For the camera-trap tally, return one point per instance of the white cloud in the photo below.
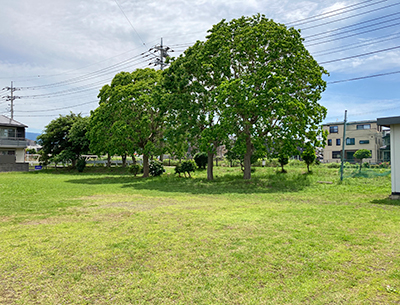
(48, 37)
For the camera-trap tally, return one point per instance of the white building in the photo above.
(394, 124)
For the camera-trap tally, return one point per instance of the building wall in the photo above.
(15, 167)
(20, 155)
(356, 138)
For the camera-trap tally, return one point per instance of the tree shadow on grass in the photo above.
(228, 183)
(91, 171)
(386, 201)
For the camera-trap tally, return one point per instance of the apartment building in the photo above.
(359, 135)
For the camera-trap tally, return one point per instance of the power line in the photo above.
(90, 75)
(355, 34)
(315, 18)
(359, 55)
(62, 108)
(362, 77)
(328, 33)
(74, 90)
(356, 45)
(130, 22)
(348, 17)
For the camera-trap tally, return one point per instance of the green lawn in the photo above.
(111, 238)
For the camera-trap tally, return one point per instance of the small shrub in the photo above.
(135, 169)
(80, 165)
(384, 165)
(333, 165)
(295, 163)
(170, 162)
(187, 167)
(201, 159)
(178, 169)
(257, 163)
(366, 165)
(156, 168)
(273, 163)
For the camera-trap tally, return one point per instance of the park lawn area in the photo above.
(105, 237)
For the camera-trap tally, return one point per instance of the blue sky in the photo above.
(60, 53)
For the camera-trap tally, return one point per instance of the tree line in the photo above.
(251, 86)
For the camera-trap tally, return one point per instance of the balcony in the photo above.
(12, 142)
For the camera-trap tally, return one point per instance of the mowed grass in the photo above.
(110, 238)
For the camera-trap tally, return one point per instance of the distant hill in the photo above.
(32, 135)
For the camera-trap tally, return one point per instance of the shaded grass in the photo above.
(101, 238)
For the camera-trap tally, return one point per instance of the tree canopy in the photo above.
(252, 79)
(132, 111)
(64, 139)
(273, 86)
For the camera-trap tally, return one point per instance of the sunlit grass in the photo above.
(110, 238)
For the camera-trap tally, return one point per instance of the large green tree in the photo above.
(273, 85)
(64, 139)
(135, 101)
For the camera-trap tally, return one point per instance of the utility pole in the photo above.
(11, 97)
(343, 144)
(159, 61)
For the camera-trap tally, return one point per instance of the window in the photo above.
(333, 129)
(329, 142)
(350, 141)
(7, 152)
(335, 154)
(7, 133)
(365, 126)
(337, 142)
(364, 141)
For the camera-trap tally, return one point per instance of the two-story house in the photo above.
(12, 145)
(359, 135)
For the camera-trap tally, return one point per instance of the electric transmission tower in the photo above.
(163, 53)
(10, 98)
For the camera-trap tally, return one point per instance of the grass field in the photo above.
(110, 238)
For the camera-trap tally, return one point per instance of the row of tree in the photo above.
(251, 86)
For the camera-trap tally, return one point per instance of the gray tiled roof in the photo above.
(5, 121)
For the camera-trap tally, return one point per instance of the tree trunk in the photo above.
(133, 159)
(247, 159)
(210, 165)
(145, 166)
(123, 160)
(108, 160)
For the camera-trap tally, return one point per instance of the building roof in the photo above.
(389, 121)
(6, 121)
(350, 123)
